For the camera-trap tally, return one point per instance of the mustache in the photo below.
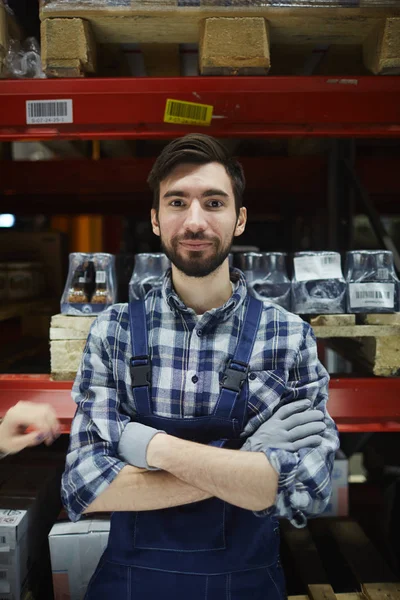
(189, 237)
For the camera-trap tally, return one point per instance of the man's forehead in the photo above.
(204, 176)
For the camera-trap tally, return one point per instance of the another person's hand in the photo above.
(292, 427)
(39, 417)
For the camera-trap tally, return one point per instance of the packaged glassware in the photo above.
(148, 274)
(372, 283)
(90, 286)
(318, 285)
(266, 276)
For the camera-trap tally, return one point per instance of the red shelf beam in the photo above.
(243, 107)
(357, 405)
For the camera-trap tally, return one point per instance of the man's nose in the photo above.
(195, 218)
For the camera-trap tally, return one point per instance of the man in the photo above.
(172, 388)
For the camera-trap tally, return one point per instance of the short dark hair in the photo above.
(200, 149)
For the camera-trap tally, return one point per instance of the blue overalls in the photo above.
(208, 550)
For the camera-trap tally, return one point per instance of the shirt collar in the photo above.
(222, 312)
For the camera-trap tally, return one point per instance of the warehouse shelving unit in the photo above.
(242, 107)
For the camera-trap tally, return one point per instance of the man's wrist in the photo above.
(158, 449)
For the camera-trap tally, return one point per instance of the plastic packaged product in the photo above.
(90, 285)
(23, 60)
(266, 276)
(148, 274)
(318, 285)
(372, 283)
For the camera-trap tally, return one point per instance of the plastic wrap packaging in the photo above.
(49, 5)
(318, 285)
(266, 276)
(148, 274)
(373, 286)
(23, 61)
(90, 286)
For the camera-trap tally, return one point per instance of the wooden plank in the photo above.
(66, 355)
(381, 591)
(68, 47)
(234, 46)
(321, 592)
(356, 331)
(170, 24)
(382, 48)
(333, 320)
(304, 554)
(361, 555)
(381, 319)
(69, 327)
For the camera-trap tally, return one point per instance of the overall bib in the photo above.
(208, 550)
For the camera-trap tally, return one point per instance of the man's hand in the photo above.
(292, 427)
(40, 417)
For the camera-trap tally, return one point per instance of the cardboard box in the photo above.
(75, 550)
(29, 504)
(339, 503)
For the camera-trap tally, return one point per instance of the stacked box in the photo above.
(75, 550)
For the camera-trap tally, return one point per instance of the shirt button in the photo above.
(252, 376)
(195, 379)
(199, 332)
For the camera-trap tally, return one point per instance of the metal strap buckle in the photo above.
(233, 379)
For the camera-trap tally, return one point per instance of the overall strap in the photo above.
(139, 363)
(236, 371)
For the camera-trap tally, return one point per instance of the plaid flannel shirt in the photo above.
(284, 367)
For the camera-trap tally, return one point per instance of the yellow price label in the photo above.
(188, 113)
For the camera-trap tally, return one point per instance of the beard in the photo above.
(196, 265)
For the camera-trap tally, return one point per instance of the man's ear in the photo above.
(241, 222)
(154, 222)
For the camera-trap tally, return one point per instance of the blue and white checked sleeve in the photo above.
(92, 461)
(304, 485)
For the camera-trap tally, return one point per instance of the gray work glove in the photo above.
(292, 427)
(133, 443)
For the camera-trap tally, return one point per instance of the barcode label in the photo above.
(187, 113)
(100, 276)
(371, 295)
(311, 268)
(383, 273)
(48, 111)
(3, 575)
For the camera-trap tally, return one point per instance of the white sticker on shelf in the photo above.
(310, 268)
(371, 295)
(44, 112)
(100, 276)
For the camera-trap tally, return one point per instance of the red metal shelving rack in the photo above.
(243, 107)
(356, 404)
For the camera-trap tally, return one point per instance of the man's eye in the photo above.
(176, 203)
(215, 203)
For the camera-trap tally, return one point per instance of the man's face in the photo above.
(197, 218)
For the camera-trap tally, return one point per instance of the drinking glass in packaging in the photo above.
(148, 274)
(266, 276)
(372, 283)
(318, 285)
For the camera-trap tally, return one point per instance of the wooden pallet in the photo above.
(373, 346)
(242, 40)
(68, 336)
(333, 558)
